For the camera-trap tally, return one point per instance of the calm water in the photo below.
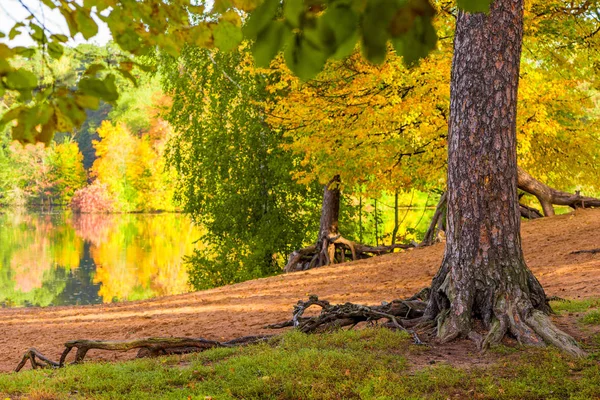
(62, 259)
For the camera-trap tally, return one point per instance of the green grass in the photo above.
(364, 364)
(591, 318)
(574, 306)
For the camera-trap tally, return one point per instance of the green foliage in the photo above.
(592, 318)
(66, 171)
(364, 364)
(233, 176)
(310, 32)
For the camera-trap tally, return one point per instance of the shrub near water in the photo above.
(92, 199)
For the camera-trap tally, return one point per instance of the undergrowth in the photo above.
(363, 364)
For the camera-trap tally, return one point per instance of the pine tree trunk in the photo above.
(483, 273)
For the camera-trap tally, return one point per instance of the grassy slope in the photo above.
(360, 364)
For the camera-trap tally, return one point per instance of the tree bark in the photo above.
(483, 273)
(330, 210)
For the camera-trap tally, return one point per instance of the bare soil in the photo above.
(242, 309)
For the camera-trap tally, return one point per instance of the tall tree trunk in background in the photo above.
(483, 273)
(330, 210)
(331, 246)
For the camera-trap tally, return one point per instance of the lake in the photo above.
(58, 258)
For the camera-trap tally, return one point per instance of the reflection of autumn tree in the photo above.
(94, 228)
(142, 256)
(35, 252)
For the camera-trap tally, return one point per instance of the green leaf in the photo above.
(49, 4)
(293, 11)
(303, 58)
(87, 101)
(38, 33)
(475, 6)
(55, 50)
(227, 36)
(94, 69)
(416, 43)
(268, 43)
(338, 27)
(376, 21)
(20, 79)
(60, 38)
(103, 89)
(26, 52)
(87, 25)
(14, 32)
(70, 19)
(261, 18)
(129, 40)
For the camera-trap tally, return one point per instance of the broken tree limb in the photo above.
(548, 196)
(37, 359)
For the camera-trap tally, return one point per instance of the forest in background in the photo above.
(245, 151)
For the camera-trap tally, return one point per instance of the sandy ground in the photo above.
(242, 309)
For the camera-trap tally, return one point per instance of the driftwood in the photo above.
(149, 347)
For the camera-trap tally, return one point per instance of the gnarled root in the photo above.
(334, 249)
(349, 314)
(149, 347)
(526, 324)
(37, 359)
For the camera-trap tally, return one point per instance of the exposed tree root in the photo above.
(548, 196)
(37, 360)
(349, 314)
(531, 327)
(333, 249)
(149, 347)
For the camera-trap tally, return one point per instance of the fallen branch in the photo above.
(592, 251)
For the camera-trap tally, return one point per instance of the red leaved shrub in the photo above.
(94, 198)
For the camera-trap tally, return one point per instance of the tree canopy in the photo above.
(308, 32)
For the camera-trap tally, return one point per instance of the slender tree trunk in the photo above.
(483, 273)
(396, 219)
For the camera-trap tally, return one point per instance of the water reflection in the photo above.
(61, 259)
